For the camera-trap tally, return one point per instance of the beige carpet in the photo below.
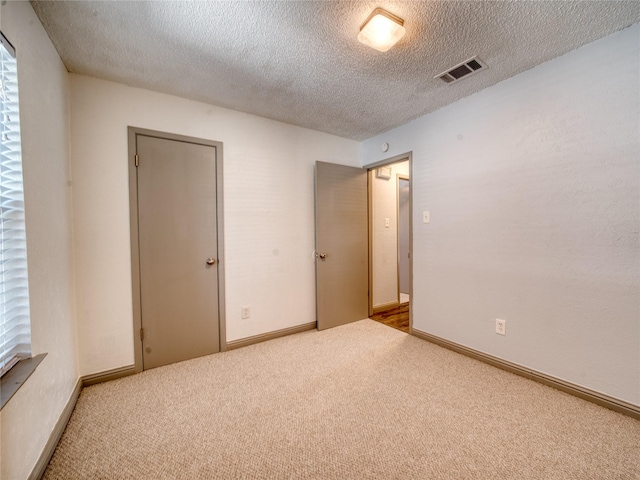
(361, 401)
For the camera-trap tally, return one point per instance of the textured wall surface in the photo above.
(29, 417)
(268, 205)
(534, 191)
(385, 240)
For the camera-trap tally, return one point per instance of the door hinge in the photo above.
(141, 334)
(137, 160)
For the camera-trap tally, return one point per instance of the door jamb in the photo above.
(132, 133)
(407, 178)
(370, 168)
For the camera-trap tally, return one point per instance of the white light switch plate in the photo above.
(386, 222)
(425, 216)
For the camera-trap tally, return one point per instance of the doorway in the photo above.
(344, 242)
(176, 244)
(390, 242)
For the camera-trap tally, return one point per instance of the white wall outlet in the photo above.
(246, 311)
(501, 327)
(425, 216)
(386, 222)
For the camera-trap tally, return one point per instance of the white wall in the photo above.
(268, 205)
(534, 190)
(29, 417)
(385, 239)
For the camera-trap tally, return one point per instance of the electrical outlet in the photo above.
(246, 311)
(501, 327)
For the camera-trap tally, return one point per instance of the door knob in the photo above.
(322, 256)
(211, 261)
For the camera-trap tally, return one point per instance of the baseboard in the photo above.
(385, 306)
(56, 434)
(598, 398)
(243, 342)
(108, 375)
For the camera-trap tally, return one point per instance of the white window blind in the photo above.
(15, 328)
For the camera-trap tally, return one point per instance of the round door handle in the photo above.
(211, 261)
(322, 256)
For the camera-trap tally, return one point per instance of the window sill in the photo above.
(15, 378)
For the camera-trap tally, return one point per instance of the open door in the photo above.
(342, 263)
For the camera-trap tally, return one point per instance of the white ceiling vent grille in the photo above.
(462, 70)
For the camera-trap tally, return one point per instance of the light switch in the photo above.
(386, 222)
(425, 216)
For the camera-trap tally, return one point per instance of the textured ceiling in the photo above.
(300, 62)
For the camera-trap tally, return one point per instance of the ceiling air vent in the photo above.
(462, 70)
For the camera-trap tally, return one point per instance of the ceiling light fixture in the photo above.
(381, 30)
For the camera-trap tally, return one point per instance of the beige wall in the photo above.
(28, 419)
(268, 205)
(533, 186)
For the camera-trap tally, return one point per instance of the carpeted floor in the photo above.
(363, 401)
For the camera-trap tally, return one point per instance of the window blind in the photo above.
(15, 328)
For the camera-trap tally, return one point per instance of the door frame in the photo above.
(132, 132)
(408, 156)
(400, 176)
